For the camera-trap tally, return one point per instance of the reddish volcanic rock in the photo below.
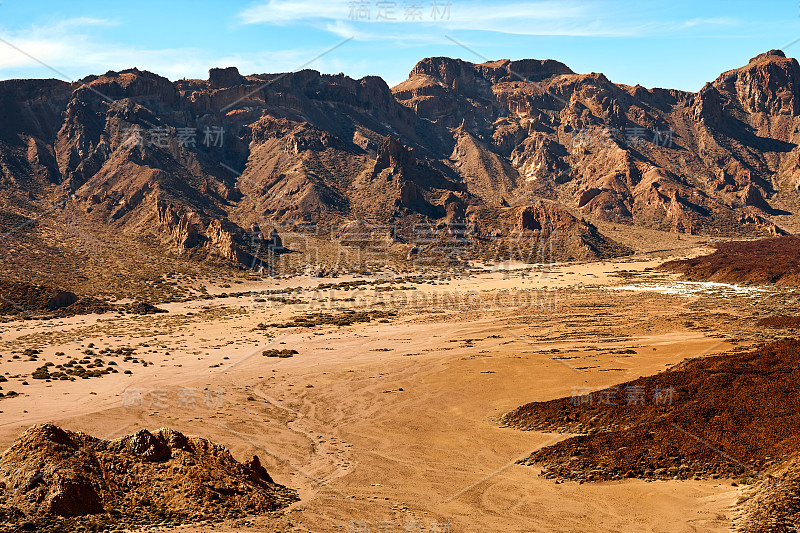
(673, 424)
(763, 261)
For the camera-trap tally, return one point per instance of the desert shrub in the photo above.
(279, 353)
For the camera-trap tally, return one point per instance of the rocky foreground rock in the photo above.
(57, 480)
(771, 504)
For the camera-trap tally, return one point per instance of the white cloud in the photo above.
(290, 11)
(597, 18)
(66, 50)
(514, 17)
(721, 21)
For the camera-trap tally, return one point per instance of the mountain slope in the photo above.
(131, 165)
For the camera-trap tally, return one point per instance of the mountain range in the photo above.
(128, 170)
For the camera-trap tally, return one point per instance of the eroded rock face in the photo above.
(145, 158)
(394, 156)
(584, 135)
(181, 227)
(555, 233)
(544, 218)
(225, 238)
(53, 475)
(767, 84)
(758, 218)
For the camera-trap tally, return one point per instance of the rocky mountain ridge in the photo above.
(189, 168)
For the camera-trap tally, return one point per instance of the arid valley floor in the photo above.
(394, 422)
(459, 286)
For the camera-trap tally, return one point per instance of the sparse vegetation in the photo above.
(346, 318)
(283, 354)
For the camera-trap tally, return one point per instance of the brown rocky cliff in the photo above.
(769, 83)
(224, 77)
(568, 132)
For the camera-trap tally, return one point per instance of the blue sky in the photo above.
(676, 44)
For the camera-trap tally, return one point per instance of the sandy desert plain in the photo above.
(392, 422)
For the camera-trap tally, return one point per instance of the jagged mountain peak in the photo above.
(768, 83)
(447, 70)
(768, 55)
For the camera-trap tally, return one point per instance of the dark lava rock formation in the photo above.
(721, 416)
(751, 262)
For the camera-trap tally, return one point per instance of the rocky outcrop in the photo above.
(769, 84)
(27, 299)
(219, 78)
(760, 219)
(393, 156)
(181, 227)
(543, 218)
(567, 236)
(225, 238)
(397, 176)
(707, 108)
(58, 477)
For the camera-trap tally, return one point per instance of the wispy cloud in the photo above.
(596, 18)
(529, 18)
(291, 11)
(720, 21)
(70, 48)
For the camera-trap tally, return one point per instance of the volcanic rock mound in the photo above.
(722, 416)
(763, 261)
(57, 480)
